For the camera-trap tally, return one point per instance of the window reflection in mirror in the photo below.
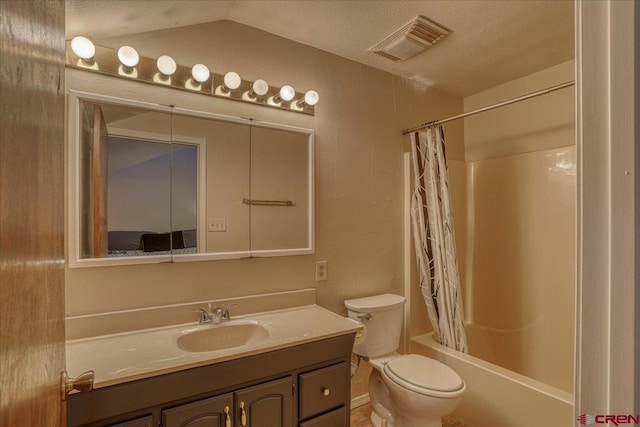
(139, 172)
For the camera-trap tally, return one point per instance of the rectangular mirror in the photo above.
(152, 183)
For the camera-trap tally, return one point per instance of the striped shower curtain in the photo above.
(434, 238)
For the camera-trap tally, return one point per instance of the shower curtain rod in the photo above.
(490, 107)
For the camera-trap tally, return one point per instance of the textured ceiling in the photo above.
(492, 42)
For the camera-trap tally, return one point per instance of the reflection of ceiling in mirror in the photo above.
(115, 113)
(123, 154)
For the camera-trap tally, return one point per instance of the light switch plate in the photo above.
(217, 224)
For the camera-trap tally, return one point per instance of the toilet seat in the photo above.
(424, 376)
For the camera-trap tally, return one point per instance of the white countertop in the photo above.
(128, 356)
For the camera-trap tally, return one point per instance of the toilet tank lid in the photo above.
(374, 303)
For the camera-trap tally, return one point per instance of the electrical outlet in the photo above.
(322, 271)
(217, 224)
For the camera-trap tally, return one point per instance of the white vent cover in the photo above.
(411, 39)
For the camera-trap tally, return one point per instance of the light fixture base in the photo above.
(106, 62)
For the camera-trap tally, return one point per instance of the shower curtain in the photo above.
(434, 238)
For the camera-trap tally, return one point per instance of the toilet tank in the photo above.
(381, 316)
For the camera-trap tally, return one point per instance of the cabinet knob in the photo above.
(82, 383)
(325, 391)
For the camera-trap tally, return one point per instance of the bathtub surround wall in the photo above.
(523, 268)
(521, 161)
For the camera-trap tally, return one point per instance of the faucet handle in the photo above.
(225, 311)
(204, 315)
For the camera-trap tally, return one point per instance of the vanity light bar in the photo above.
(164, 71)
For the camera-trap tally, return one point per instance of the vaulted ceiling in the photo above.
(491, 42)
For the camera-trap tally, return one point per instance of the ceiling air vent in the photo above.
(411, 39)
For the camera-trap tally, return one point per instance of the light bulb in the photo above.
(260, 87)
(83, 47)
(311, 97)
(232, 81)
(200, 73)
(128, 56)
(287, 93)
(166, 65)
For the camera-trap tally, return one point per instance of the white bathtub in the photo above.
(498, 397)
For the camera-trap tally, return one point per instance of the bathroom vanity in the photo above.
(294, 372)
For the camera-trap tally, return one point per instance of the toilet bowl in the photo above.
(422, 390)
(405, 390)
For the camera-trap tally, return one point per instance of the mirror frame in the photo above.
(73, 187)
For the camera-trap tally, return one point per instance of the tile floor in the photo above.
(360, 418)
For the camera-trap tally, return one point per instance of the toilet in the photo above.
(405, 390)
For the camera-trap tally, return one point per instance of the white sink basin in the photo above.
(222, 337)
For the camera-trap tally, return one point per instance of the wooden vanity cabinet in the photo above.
(306, 385)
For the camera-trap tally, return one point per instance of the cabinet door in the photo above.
(266, 405)
(213, 412)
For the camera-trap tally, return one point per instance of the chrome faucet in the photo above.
(214, 315)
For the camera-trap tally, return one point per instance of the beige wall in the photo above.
(358, 176)
(521, 164)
